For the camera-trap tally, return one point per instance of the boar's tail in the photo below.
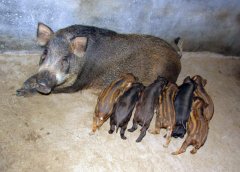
(179, 43)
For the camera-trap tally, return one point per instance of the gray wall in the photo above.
(204, 24)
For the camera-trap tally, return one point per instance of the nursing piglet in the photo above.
(146, 105)
(182, 105)
(197, 127)
(108, 98)
(201, 92)
(166, 116)
(123, 109)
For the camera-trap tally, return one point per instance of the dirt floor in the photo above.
(51, 133)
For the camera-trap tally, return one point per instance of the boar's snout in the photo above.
(46, 81)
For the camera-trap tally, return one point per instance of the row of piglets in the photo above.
(119, 99)
(187, 108)
(172, 105)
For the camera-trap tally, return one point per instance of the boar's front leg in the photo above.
(29, 87)
(69, 89)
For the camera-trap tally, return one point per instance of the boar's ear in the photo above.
(78, 46)
(44, 34)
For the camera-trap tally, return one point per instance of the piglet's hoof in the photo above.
(124, 137)
(138, 140)
(175, 153)
(193, 151)
(131, 130)
(91, 133)
(153, 131)
(110, 131)
(165, 146)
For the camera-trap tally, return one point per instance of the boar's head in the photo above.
(61, 57)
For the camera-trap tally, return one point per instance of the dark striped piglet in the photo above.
(197, 127)
(182, 105)
(108, 97)
(146, 105)
(123, 109)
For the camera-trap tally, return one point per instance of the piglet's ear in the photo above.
(44, 34)
(204, 82)
(78, 46)
(187, 79)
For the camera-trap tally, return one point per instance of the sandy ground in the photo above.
(51, 133)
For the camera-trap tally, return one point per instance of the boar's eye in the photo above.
(65, 64)
(43, 56)
(45, 52)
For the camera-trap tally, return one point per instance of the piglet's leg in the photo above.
(134, 127)
(122, 132)
(168, 136)
(94, 125)
(185, 144)
(112, 126)
(195, 149)
(143, 133)
(156, 130)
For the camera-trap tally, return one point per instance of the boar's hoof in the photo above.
(20, 92)
(24, 92)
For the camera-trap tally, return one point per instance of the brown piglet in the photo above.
(146, 105)
(108, 97)
(201, 92)
(165, 113)
(197, 127)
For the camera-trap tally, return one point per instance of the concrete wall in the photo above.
(212, 25)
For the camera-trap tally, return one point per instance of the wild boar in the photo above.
(79, 57)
